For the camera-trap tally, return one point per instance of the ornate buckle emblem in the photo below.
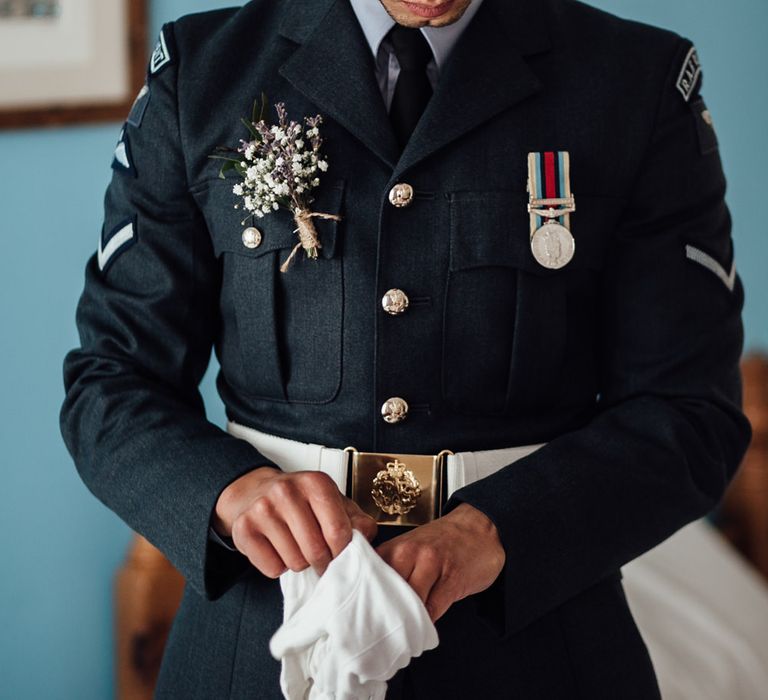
(396, 489)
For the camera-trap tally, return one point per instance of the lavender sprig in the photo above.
(279, 166)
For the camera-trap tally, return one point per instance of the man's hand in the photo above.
(448, 559)
(286, 521)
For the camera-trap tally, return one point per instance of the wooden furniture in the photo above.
(743, 517)
(147, 594)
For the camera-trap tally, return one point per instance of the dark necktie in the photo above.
(413, 89)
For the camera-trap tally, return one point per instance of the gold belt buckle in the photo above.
(397, 489)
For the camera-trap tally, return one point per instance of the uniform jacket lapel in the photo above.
(334, 68)
(485, 74)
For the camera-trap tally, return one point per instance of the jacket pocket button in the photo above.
(251, 237)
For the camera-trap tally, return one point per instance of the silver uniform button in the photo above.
(395, 302)
(401, 195)
(251, 237)
(394, 410)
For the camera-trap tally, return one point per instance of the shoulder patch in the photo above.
(161, 56)
(122, 159)
(705, 127)
(689, 74)
(140, 104)
(115, 242)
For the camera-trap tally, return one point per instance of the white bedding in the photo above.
(703, 612)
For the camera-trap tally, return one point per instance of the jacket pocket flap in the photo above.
(493, 229)
(278, 228)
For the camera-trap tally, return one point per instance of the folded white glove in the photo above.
(345, 634)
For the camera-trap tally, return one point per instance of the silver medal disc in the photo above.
(553, 245)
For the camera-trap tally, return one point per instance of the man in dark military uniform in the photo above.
(532, 248)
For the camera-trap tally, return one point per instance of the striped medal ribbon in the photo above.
(550, 207)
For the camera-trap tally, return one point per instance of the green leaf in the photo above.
(248, 125)
(229, 163)
(230, 159)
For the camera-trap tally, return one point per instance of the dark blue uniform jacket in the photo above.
(625, 361)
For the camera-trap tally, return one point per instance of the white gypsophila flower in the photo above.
(280, 165)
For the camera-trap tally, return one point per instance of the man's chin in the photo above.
(406, 18)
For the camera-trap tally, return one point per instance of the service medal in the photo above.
(553, 245)
(550, 207)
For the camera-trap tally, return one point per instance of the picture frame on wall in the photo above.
(70, 61)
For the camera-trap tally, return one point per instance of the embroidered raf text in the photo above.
(689, 74)
(161, 56)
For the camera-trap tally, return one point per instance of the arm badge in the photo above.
(689, 74)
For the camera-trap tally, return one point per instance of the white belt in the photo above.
(290, 455)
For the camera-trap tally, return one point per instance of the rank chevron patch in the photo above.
(118, 240)
(161, 56)
(728, 278)
(122, 160)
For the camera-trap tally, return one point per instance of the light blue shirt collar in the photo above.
(376, 23)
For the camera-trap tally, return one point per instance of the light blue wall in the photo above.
(58, 546)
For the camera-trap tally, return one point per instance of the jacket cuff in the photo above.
(222, 563)
(222, 541)
(490, 604)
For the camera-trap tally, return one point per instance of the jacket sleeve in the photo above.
(670, 432)
(133, 418)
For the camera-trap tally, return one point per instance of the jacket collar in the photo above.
(375, 22)
(485, 74)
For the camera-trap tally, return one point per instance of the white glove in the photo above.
(348, 632)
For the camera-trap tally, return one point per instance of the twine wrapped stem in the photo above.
(308, 239)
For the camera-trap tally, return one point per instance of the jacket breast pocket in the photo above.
(281, 334)
(506, 317)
